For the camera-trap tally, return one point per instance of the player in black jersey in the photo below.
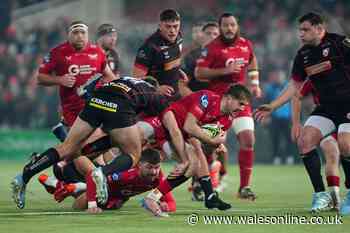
(209, 31)
(107, 37)
(324, 60)
(160, 55)
(114, 108)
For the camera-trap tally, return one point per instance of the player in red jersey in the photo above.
(70, 65)
(227, 60)
(121, 186)
(191, 112)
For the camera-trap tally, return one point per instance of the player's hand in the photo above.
(221, 149)
(233, 67)
(256, 91)
(164, 206)
(94, 210)
(263, 112)
(219, 139)
(166, 90)
(296, 131)
(67, 80)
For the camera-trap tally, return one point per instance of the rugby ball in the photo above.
(212, 130)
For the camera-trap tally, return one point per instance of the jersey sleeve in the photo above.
(49, 62)
(206, 58)
(144, 57)
(199, 105)
(298, 73)
(90, 188)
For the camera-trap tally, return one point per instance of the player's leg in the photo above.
(316, 127)
(344, 146)
(330, 149)
(244, 128)
(79, 132)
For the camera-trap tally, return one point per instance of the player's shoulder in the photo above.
(334, 37)
(95, 48)
(60, 47)
(214, 44)
(244, 41)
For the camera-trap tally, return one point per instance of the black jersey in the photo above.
(190, 61)
(161, 59)
(141, 95)
(327, 66)
(113, 60)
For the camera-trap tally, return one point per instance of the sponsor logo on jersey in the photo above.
(204, 101)
(82, 69)
(104, 105)
(325, 52)
(244, 48)
(92, 56)
(318, 68)
(115, 176)
(238, 60)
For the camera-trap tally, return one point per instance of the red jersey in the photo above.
(218, 55)
(123, 185)
(64, 59)
(204, 105)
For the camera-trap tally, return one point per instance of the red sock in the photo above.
(333, 181)
(245, 161)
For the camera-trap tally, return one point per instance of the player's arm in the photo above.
(91, 195)
(192, 127)
(108, 75)
(47, 70)
(204, 72)
(253, 75)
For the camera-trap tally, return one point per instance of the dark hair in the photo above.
(77, 22)
(225, 15)
(151, 156)
(239, 92)
(169, 15)
(209, 24)
(313, 18)
(105, 28)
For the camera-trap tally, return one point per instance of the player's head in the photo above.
(107, 36)
(229, 28)
(169, 25)
(210, 31)
(311, 28)
(197, 33)
(78, 35)
(149, 164)
(235, 99)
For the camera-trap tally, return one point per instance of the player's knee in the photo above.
(330, 149)
(247, 141)
(305, 144)
(344, 147)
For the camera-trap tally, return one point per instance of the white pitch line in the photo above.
(179, 211)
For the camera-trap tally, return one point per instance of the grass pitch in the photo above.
(282, 190)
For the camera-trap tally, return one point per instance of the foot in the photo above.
(245, 193)
(215, 202)
(42, 179)
(345, 207)
(63, 190)
(153, 207)
(197, 193)
(321, 201)
(18, 191)
(101, 185)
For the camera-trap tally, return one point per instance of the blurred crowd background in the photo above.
(29, 28)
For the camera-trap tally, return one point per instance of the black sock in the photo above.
(99, 145)
(175, 181)
(345, 162)
(312, 164)
(40, 163)
(121, 163)
(206, 185)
